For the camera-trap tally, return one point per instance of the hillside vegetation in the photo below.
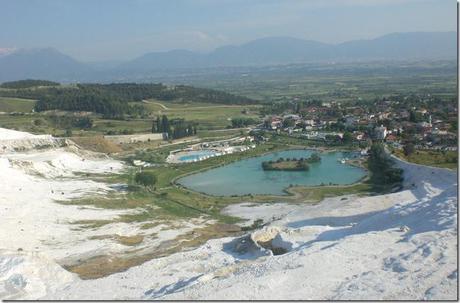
(28, 83)
(115, 100)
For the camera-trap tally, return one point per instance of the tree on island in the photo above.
(303, 165)
(314, 158)
(286, 165)
(267, 165)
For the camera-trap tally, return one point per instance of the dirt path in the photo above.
(228, 129)
(157, 103)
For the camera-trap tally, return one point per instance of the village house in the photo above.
(360, 136)
(391, 138)
(351, 121)
(292, 116)
(380, 132)
(273, 122)
(309, 122)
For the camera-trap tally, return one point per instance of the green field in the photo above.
(16, 105)
(208, 116)
(334, 82)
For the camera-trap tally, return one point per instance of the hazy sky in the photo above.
(122, 29)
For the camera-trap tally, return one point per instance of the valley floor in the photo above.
(395, 246)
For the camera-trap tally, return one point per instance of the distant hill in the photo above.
(420, 45)
(46, 63)
(52, 65)
(166, 60)
(273, 50)
(286, 50)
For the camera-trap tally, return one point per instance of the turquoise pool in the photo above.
(247, 176)
(196, 155)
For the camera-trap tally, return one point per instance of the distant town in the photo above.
(396, 122)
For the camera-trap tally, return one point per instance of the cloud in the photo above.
(199, 35)
(204, 36)
(7, 50)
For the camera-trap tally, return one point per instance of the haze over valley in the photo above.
(51, 64)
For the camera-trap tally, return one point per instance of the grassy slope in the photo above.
(446, 159)
(16, 105)
(97, 144)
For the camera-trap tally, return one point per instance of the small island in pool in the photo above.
(293, 164)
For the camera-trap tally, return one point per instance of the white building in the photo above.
(380, 132)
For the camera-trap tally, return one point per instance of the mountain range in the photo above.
(50, 64)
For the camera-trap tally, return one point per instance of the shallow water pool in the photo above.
(247, 176)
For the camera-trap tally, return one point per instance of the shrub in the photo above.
(409, 148)
(145, 178)
(39, 122)
(314, 158)
(303, 165)
(383, 172)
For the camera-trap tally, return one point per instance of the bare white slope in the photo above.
(12, 140)
(31, 220)
(9, 134)
(36, 233)
(396, 246)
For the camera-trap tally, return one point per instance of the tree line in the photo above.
(70, 122)
(133, 92)
(87, 99)
(239, 122)
(27, 84)
(175, 128)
